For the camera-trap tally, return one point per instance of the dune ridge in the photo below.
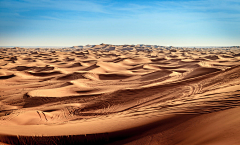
(120, 94)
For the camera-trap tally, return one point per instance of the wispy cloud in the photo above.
(111, 8)
(227, 6)
(132, 7)
(163, 19)
(72, 5)
(191, 10)
(50, 18)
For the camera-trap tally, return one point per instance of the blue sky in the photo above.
(77, 22)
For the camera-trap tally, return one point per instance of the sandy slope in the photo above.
(120, 95)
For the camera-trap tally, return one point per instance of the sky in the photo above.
(154, 22)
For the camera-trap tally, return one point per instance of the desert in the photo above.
(120, 94)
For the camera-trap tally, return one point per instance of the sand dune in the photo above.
(124, 94)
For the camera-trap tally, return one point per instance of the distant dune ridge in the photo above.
(120, 94)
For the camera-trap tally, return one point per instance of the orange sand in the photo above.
(120, 95)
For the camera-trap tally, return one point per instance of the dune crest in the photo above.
(120, 94)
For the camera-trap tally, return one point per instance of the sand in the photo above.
(124, 94)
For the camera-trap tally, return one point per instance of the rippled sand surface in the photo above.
(120, 95)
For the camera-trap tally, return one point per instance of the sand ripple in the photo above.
(108, 93)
